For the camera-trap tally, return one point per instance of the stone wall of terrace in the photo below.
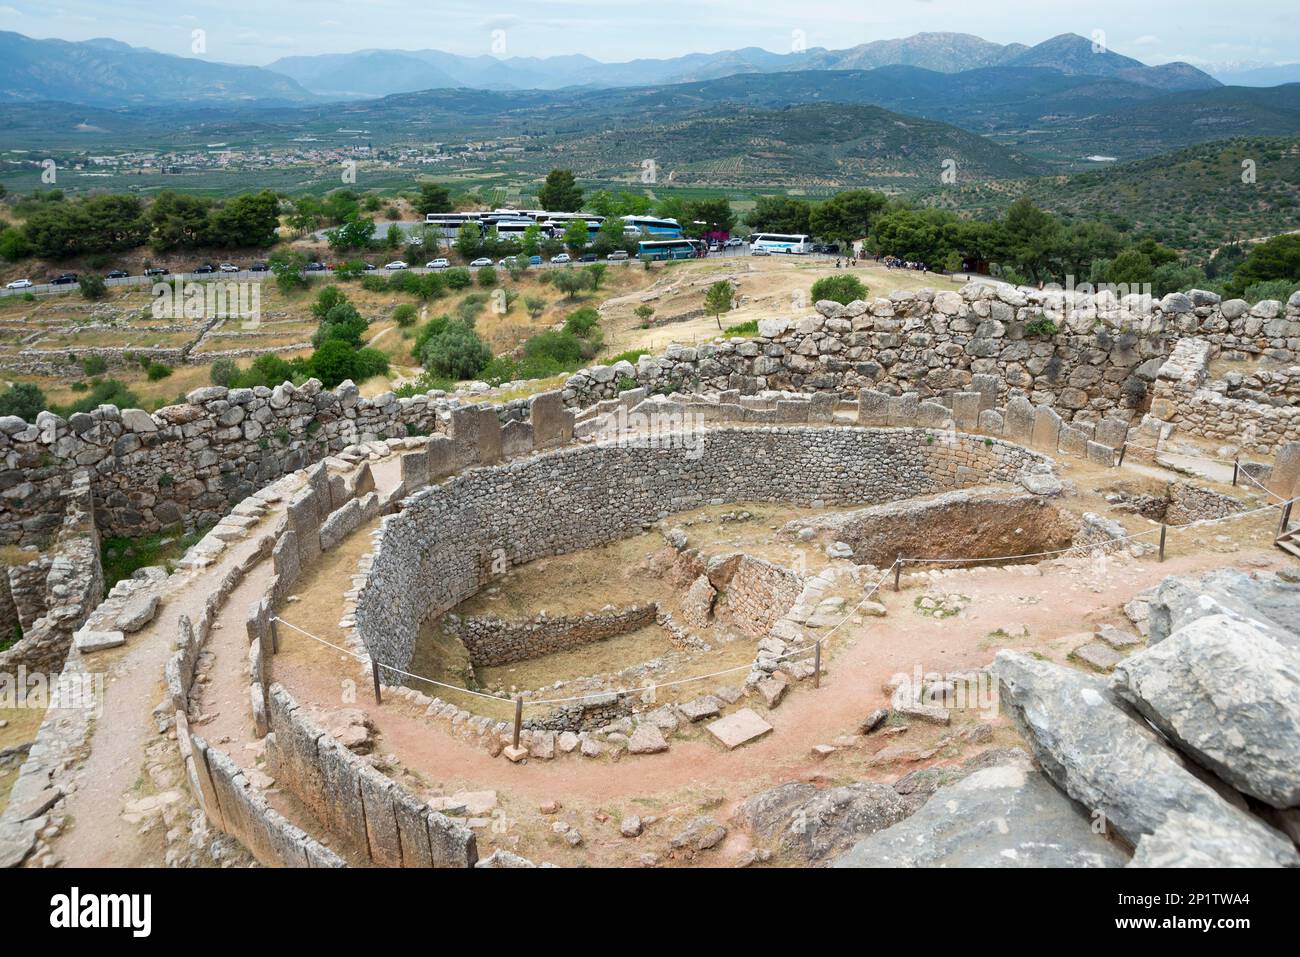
(1102, 355)
(186, 465)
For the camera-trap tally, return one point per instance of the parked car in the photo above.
(508, 262)
(437, 264)
(617, 255)
(157, 271)
(396, 264)
(830, 249)
(228, 267)
(587, 258)
(204, 269)
(480, 263)
(733, 242)
(760, 251)
(715, 248)
(415, 241)
(67, 279)
(257, 267)
(534, 260)
(563, 259)
(315, 267)
(116, 274)
(20, 284)
(368, 267)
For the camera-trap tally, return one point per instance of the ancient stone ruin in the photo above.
(869, 580)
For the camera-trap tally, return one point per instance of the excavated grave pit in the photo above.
(689, 597)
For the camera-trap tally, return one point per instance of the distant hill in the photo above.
(108, 73)
(1192, 199)
(814, 145)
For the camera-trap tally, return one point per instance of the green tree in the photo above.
(287, 266)
(1274, 259)
(1034, 238)
(571, 282)
(433, 199)
(710, 216)
(719, 299)
(560, 192)
(780, 214)
(645, 313)
(469, 241)
(535, 305)
(249, 220)
(847, 216)
(355, 233)
(597, 273)
(575, 236)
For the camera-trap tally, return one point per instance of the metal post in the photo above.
(374, 671)
(275, 637)
(1122, 449)
(519, 719)
(1163, 529)
(1285, 521)
(817, 664)
(898, 570)
(1236, 468)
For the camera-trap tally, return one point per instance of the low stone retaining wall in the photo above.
(371, 813)
(235, 808)
(757, 594)
(495, 641)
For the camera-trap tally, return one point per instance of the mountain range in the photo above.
(109, 73)
(381, 72)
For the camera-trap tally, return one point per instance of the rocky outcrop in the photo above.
(1228, 695)
(1268, 603)
(1009, 815)
(1111, 762)
(814, 824)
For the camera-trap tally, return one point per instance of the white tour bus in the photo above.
(450, 222)
(781, 243)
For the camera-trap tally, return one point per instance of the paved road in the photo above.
(244, 275)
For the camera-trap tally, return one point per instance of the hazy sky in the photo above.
(258, 31)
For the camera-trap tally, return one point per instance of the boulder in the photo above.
(1227, 694)
(138, 610)
(1188, 840)
(1107, 758)
(1009, 815)
(1270, 604)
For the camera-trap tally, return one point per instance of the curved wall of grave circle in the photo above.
(452, 538)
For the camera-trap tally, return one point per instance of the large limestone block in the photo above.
(1019, 421)
(1047, 429)
(552, 422)
(1009, 815)
(1269, 604)
(873, 408)
(1227, 694)
(1107, 759)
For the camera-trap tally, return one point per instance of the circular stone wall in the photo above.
(451, 538)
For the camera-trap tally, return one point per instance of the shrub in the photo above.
(535, 305)
(24, 400)
(342, 322)
(487, 277)
(93, 286)
(156, 371)
(329, 297)
(104, 392)
(1040, 328)
(404, 315)
(94, 365)
(456, 352)
(749, 328)
(843, 289)
(581, 322)
(458, 278)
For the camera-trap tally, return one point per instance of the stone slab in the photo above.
(739, 728)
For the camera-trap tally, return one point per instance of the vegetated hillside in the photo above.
(812, 145)
(107, 73)
(1193, 199)
(1170, 122)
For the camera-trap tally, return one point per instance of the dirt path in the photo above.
(116, 770)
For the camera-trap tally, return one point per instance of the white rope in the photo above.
(1181, 455)
(1264, 488)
